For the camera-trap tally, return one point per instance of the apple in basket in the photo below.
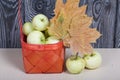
(27, 28)
(93, 60)
(36, 37)
(75, 64)
(51, 40)
(40, 22)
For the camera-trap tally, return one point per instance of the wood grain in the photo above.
(117, 27)
(104, 20)
(33, 7)
(105, 13)
(9, 29)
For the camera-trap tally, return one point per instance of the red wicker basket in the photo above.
(47, 58)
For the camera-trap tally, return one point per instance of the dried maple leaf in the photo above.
(81, 38)
(71, 25)
(58, 7)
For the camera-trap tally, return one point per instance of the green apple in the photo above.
(36, 37)
(51, 40)
(75, 64)
(93, 60)
(27, 28)
(40, 22)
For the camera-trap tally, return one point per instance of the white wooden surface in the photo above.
(11, 67)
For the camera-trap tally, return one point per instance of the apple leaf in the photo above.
(71, 25)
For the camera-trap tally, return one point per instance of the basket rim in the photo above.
(59, 43)
(41, 46)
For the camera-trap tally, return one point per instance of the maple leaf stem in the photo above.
(70, 26)
(71, 22)
(67, 33)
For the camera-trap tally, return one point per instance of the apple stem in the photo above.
(92, 54)
(42, 19)
(76, 55)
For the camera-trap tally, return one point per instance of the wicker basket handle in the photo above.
(20, 18)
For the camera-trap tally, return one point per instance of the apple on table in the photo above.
(92, 60)
(75, 64)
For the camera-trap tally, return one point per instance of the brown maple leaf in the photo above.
(71, 25)
(81, 38)
(58, 7)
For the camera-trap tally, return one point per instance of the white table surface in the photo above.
(11, 67)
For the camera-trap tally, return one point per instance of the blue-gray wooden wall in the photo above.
(106, 15)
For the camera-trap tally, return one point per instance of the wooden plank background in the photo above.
(105, 13)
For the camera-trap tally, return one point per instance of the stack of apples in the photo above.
(36, 31)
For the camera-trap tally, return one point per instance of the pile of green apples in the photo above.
(76, 64)
(36, 31)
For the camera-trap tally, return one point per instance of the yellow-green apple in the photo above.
(93, 60)
(40, 22)
(75, 64)
(27, 28)
(51, 40)
(36, 37)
